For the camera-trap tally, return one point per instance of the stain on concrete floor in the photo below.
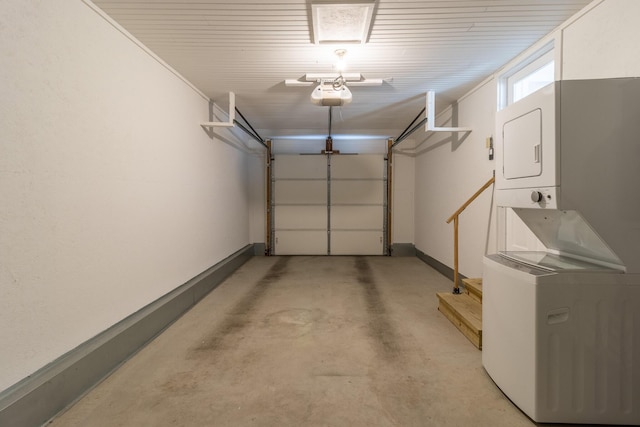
(306, 341)
(381, 330)
(240, 316)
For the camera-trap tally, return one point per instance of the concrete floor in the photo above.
(307, 341)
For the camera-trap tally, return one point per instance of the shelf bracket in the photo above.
(431, 117)
(232, 115)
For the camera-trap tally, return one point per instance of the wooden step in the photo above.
(473, 287)
(465, 312)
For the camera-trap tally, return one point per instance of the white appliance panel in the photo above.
(508, 323)
(561, 327)
(526, 148)
(563, 345)
(522, 145)
(588, 156)
(568, 232)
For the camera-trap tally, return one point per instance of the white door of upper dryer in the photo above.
(527, 142)
(522, 146)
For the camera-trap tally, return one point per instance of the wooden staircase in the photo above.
(464, 310)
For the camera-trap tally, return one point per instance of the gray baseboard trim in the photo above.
(403, 249)
(259, 249)
(437, 265)
(37, 398)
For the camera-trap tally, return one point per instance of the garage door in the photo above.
(328, 205)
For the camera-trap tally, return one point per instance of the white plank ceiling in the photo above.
(250, 47)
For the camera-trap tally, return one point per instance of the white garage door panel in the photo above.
(302, 210)
(357, 167)
(356, 243)
(357, 217)
(357, 192)
(301, 217)
(301, 242)
(296, 166)
(300, 192)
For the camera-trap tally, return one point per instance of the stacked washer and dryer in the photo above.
(561, 326)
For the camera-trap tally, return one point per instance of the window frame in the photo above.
(529, 65)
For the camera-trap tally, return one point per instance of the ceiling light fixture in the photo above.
(341, 21)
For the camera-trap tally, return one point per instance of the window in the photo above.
(533, 81)
(531, 74)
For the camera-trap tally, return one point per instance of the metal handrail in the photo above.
(454, 218)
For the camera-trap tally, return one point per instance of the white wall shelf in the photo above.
(431, 117)
(232, 115)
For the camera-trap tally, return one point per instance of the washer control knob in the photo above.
(536, 196)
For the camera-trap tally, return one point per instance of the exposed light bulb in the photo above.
(341, 64)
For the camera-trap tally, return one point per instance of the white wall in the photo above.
(450, 168)
(403, 199)
(257, 191)
(112, 194)
(602, 41)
